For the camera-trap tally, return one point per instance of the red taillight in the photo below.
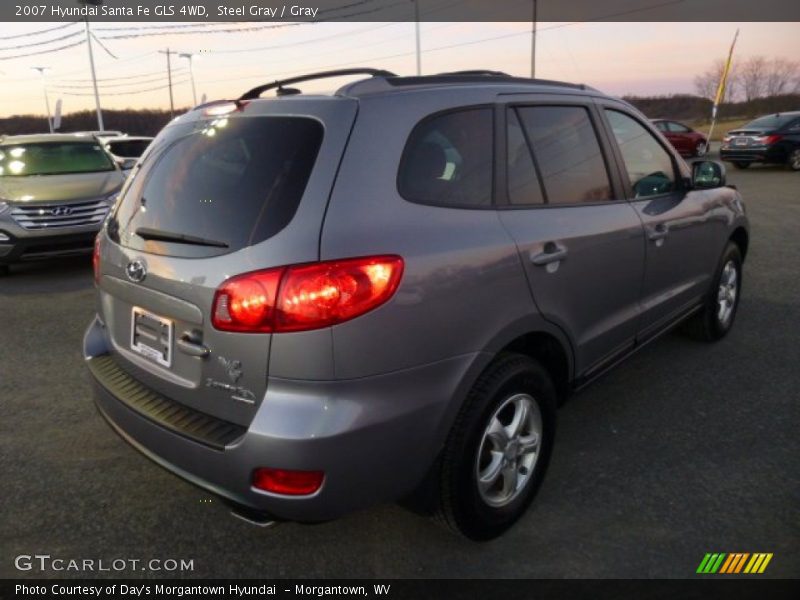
(96, 259)
(767, 140)
(247, 302)
(303, 297)
(287, 483)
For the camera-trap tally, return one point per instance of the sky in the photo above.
(617, 58)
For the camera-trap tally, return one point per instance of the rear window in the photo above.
(53, 158)
(448, 160)
(770, 122)
(216, 186)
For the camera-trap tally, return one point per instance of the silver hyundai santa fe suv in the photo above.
(311, 304)
(55, 193)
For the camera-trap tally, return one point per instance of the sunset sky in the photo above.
(617, 58)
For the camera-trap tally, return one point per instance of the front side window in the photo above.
(568, 153)
(447, 160)
(649, 166)
(53, 158)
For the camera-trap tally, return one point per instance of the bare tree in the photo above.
(752, 77)
(782, 77)
(707, 82)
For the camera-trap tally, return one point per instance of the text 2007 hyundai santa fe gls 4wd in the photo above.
(311, 304)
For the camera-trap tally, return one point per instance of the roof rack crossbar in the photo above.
(278, 84)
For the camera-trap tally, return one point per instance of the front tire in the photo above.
(741, 164)
(4, 270)
(716, 318)
(497, 453)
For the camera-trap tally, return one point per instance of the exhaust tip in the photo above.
(254, 517)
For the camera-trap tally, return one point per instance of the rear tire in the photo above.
(716, 318)
(497, 453)
(794, 160)
(741, 164)
(4, 270)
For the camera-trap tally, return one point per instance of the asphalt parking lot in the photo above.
(685, 449)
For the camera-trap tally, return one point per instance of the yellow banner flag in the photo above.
(725, 71)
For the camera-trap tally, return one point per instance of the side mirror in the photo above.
(708, 174)
(126, 164)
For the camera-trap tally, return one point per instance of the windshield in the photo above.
(770, 122)
(214, 186)
(53, 158)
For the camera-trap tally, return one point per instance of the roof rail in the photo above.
(478, 77)
(279, 84)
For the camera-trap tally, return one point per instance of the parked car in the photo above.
(55, 192)
(686, 140)
(773, 139)
(127, 149)
(305, 318)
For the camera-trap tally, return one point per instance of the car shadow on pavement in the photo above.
(46, 277)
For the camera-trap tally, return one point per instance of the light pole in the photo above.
(91, 63)
(188, 56)
(533, 42)
(416, 25)
(41, 71)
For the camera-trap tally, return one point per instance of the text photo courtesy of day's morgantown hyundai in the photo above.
(419, 298)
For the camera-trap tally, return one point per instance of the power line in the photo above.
(43, 42)
(101, 79)
(49, 51)
(84, 86)
(126, 93)
(39, 32)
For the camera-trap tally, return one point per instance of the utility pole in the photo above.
(169, 81)
(533, 42)
(188, 56)
(91, 64)
(94, 77)
(416, 24)
(46, 99)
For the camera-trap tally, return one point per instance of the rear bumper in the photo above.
(375, 438)
(763, 154)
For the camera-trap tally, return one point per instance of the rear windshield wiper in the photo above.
(147, 233)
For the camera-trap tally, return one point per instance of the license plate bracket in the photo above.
(151, 336)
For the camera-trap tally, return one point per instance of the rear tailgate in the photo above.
(249, 195)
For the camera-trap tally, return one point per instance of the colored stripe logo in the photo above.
(733, 563)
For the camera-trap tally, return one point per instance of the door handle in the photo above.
(187, 344)
(659, 232)
(552, 253)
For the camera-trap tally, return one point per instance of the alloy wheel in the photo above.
(509, 450)
(727, 292)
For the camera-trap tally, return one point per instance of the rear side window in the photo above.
(568, 153)
(447, 160)
(128, 148)
(649, 165)
(213, 187)
(678, 128)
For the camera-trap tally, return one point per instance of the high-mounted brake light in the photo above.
(287, 483)
(221, 108)
(304, 297)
